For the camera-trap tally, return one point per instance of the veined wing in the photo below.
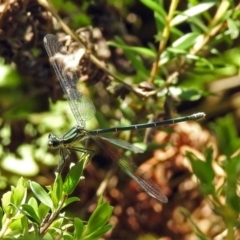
(81, 106)
(123, 144)
(128, 167)
(60, 62)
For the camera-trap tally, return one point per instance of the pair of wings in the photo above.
(83, 109)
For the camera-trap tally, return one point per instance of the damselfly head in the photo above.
(53, 141)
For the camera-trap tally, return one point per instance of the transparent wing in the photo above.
(128, 167)
(81, 106)
(123, 144)
(57, 56)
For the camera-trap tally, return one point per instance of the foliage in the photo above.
(221, 191)
(39, 217)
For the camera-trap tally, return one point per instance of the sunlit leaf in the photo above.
(154, 6)
(227, 135)
(19, 193)
(233, 28)
(200, 8)
(41, 194)
(57, 190)
(78, 228)
(73, 178)
(29, 210)
(99, 218)
(139, 50)
(186, 41)
(6, 199)
(70, 200)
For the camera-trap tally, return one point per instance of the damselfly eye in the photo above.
(53, 141)
(50, 143)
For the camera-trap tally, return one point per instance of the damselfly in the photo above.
(83, 109)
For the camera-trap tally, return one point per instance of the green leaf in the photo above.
(67, 236)
(19, 193)
(1, 217)
(78, 228)
(136, 61)
(25, 226)
(73, 178)
(57, 191)
(227, 135)
(204, 171)
(186, 41)
(99, 218)
(16, 225)
(43, 210)
(198, 25)
(232, 169)
(10, 78)
(100, 201)
(155, 7)
(189, 94)
(202, 62)
(138, 50)
(98, 233)
(33, 202)
(233, 27)
(30, 212)
(70, 200)
(41, 194)
(6, 199)
(59, 223)
(200, 8)
(160, 24)
(51, 234)
(177, 51)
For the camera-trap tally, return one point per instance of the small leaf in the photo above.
(19, 193)
(200, 8)
(177, 51)
(6, 198)
(57, 191)
(73, 178)
(41, 194)
(25, 226)
(59, 223)
(1, 217)
(190, 94)
(16, 225)
(98, 233)
(232, 169)
(30, 212)
(78, 228)
(233, 27)
(33, 202)
(100, 201)
(155, 7)
(186, 41)
(135, 60)
(139, 50)
(70, 200)
(204, 172)
(43, 210)
(227, 135)
(99, 218)
(67, 236)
